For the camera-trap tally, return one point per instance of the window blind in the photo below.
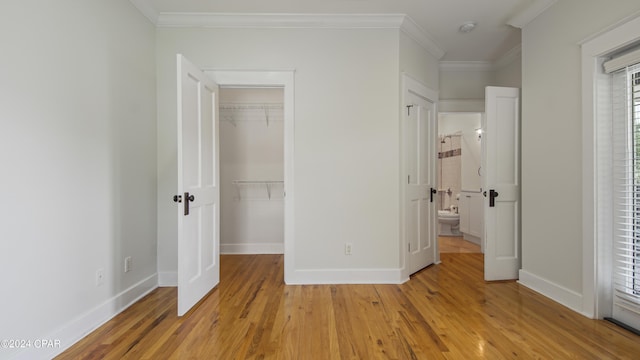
(626, 167)
(622, 61)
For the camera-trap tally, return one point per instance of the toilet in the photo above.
(449, 223)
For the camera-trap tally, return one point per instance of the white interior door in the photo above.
(502, 183)
(198, 178)
(420, 219)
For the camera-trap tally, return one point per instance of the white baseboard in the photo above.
(252, 248)
(167, 278)
(84, 324)
(555, 292)
(472, 238)
(347, 276)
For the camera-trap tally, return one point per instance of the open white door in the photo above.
(198, 176)
(420, 219)
(502, 183)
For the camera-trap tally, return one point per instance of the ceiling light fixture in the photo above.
(467, 27)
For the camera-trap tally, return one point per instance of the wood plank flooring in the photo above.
(445, 311)
(456, 244)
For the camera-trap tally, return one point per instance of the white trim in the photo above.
(84, 324)
(347, 276)
(167, 278)
(466, 66)
(508, 58)
(560, 294)
(304, 21)
(286, 80)
(601, 36)
(422, 37)
(252, 248)
(281, 21)
(146, 9)
(528, 14)
(595, 303)
(411, 85)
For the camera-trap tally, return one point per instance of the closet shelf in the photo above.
(267, 183)
(233, 108)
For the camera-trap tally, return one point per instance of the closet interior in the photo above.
(251, 170)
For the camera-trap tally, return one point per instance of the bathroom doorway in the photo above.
(459, 178)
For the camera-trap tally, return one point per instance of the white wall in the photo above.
(77, 149)
(346, 135)
(552, 141)
(465, 124)
(418, 63)
(459, 173)
(251, 215)
(509, 74)
(464, 84)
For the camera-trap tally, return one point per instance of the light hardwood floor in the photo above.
(456, 244)
(445, 311)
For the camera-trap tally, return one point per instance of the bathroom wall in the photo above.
(449, 170)
(459, 156)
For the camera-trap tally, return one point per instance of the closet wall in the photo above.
(251, 171)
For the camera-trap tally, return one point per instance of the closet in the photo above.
(251, 170)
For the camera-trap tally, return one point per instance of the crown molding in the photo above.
(508, 57)
(281, 21)
(147, 10)
(528, 14)
(466, 66)
(419, 35)
(304, 21)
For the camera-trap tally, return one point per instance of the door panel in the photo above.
(419, 151)
(198, 232)
(502, 221)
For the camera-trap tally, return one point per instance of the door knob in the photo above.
(431, 193)
(492, 197)
(188, 198)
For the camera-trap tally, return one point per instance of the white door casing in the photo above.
(502, 182)
(419, 163)
(284, 79)
(198, 189)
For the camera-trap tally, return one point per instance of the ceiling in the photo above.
(489, 41)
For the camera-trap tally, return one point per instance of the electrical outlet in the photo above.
(99, 277)
(127, 264)
(347, 248)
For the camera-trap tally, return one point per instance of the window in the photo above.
(626, 193)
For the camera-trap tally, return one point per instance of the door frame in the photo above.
(411, 85)
(285, 80)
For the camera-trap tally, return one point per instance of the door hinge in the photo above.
(409, 247)
(408, 179)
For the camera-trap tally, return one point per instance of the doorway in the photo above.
(251, 170)
(459, 182)
(282, 187)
